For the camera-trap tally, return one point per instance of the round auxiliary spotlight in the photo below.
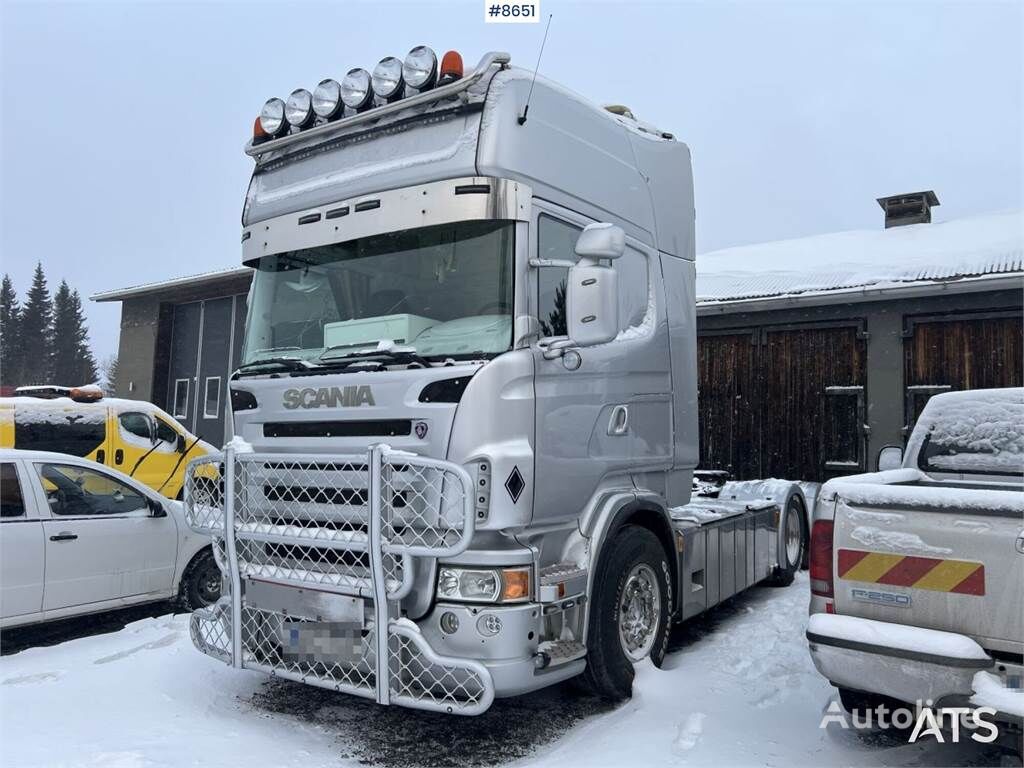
(355, 89)
(272, 117)
(298, 110)
(327, 98)
(387, 79)
(420, 68)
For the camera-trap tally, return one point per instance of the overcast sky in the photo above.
(123, 123)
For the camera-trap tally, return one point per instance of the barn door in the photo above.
(812, 421)
(727, 402)
(975, 351)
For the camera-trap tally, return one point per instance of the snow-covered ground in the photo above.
(738, 688)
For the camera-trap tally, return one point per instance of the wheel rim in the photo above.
(793, 535)
(209, 585)
(639, 612)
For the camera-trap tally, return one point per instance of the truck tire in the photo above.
(200, 584)
(791, 557)
(629, 612)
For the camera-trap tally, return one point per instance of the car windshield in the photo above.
(442, 291)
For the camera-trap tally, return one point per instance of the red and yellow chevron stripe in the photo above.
(961, 576)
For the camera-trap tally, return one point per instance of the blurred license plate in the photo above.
(328, 642)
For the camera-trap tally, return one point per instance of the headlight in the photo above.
(355, 89)
(387, 78)
(272, 117)
(327, 98)
(420, 68)
(483, 585)
(298, 110)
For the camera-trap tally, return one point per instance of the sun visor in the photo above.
(419, 149)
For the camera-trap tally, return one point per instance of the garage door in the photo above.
(977, 351)
(727, 402)
(784, 401)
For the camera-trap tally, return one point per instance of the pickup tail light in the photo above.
(821, 559)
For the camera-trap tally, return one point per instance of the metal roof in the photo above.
(920, 258)
(174, 284)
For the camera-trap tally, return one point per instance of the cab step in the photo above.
(555, 653)
(561, 581)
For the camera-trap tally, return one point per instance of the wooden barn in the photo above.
(816, 353)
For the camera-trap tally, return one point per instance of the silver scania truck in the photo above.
(465, 425)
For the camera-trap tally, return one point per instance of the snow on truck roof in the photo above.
(840, 265)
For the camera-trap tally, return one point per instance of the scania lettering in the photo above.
(329, 397)
(510, 504)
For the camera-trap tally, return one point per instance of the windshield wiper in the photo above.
(376, 355)
(277, 363)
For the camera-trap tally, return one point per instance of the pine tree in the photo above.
(10, 341)
(73, 363)
(109, 369)
(37, 332)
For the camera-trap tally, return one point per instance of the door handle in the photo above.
(619, 422)
(64, 536)
(118, 456)
(101, 456)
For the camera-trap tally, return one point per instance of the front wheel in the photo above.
(200, 584)
(629, 615)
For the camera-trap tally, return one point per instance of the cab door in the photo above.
(611, 417)
(137, 449)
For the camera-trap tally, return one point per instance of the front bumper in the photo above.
(330, 542)
(918, 665)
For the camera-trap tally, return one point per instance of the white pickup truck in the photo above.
(917, 573)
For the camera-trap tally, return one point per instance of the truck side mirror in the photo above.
(591, 299)
(890, 457)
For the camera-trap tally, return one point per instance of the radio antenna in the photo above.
(526, 109)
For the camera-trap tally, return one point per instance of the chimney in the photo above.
(909, 208)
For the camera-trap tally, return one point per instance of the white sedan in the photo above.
(77, 537)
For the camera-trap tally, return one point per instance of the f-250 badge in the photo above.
(351, 396)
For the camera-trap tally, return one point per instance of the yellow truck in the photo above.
(132, 436)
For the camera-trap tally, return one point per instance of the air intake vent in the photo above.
(375, 428)
(909, 208)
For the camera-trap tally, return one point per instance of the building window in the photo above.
(211, 407)
(181, 398)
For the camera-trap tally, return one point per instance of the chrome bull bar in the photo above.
(337, 530)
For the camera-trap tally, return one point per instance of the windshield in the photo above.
(442, 291)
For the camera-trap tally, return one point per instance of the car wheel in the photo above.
(629, 614)
(791, 556)
(200, 585)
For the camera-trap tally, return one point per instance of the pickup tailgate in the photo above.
(937, 557)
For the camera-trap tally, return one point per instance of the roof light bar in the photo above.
(357, 91)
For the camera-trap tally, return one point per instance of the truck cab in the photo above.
(469, 376)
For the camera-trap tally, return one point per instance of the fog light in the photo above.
(488, 625)
(449, 623)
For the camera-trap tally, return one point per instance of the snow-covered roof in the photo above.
(189, 281)
(839, 265)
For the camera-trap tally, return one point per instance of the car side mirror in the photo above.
(156, 509)
(890, 457)
(179, 444)
(592, 295)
